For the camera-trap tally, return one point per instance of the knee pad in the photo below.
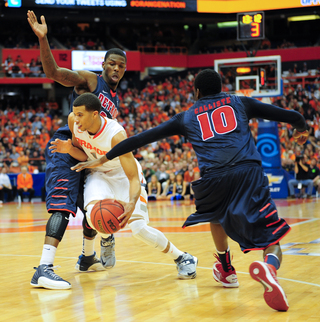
(148, 235)
(57, 224)
(88, 231)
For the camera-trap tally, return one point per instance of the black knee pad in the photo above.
(57, 224)
(87, 230)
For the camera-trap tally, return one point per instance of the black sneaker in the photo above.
(89, 263)
(47, 278)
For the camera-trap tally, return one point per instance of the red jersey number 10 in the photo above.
(223, 121)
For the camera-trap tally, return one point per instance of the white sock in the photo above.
(174, 252)
(105, 236)
(48, 254)
(88, 246)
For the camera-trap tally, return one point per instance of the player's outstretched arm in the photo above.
(64, 76)
(90, 164)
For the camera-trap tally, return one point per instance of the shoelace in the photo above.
(107, 242)
(49, 270)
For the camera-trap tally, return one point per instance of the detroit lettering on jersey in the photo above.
(89, 146)
(107, 106)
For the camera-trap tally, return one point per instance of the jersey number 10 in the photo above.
(223, 121)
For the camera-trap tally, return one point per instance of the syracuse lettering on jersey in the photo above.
(209, 106)
(89, 146)
(108, 105)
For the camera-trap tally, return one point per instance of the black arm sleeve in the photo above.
(166, 129)
(257, 109)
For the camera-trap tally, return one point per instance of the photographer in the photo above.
(302, 173)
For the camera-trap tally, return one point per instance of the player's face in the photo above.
(114, 68)
(84, 119)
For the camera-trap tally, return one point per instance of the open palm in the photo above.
(40, 29)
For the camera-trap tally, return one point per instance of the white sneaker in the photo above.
(107, 255)
(186, 266)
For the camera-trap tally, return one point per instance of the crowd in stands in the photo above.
(24, 135)
(171, 162)
(19, 68)
(158, 37)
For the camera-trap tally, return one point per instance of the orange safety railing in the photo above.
(299, 79)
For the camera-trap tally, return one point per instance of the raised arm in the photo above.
(64, 76)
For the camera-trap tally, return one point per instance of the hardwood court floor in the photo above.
(143, 286)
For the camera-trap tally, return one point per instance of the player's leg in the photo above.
(266, 273)
(44, 275)
(88, 259)
(98, 188)
(62, 190)
(267, 230)
(223, 272)
(107, 253)
(186, 263)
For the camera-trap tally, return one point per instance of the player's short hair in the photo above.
(89, 100)
(115, 51)
(208, 81)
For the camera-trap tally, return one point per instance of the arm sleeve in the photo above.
(257, 109)
(166, 129)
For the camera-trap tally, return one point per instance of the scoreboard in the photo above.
(250, 26)
(201, 6)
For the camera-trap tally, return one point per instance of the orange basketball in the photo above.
(104, 216)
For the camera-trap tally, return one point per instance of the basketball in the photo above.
(104, 216)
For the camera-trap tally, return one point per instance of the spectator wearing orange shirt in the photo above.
(23, 159)
(25, 183)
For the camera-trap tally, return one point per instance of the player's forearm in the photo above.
(78, 154)
(134, 190)
(48, 62)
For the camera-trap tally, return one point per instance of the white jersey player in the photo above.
(121, 179)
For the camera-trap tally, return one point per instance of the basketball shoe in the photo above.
(227, 279)
(273, 293)
(186, 266)
(108, 256)
(47, 278)
(89, 263)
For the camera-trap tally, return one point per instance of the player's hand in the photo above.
(89, 164)
(40, 30)
(61, 146)
(128, 210)
(300, 137)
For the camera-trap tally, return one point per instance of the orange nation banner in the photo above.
(231, 6)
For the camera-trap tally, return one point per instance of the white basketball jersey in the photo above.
(96, 146)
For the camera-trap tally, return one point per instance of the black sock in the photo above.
(225, 260)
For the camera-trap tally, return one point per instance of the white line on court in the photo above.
(153, 263)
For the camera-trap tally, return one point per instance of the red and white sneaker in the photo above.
(227, 279)
(273, 293)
